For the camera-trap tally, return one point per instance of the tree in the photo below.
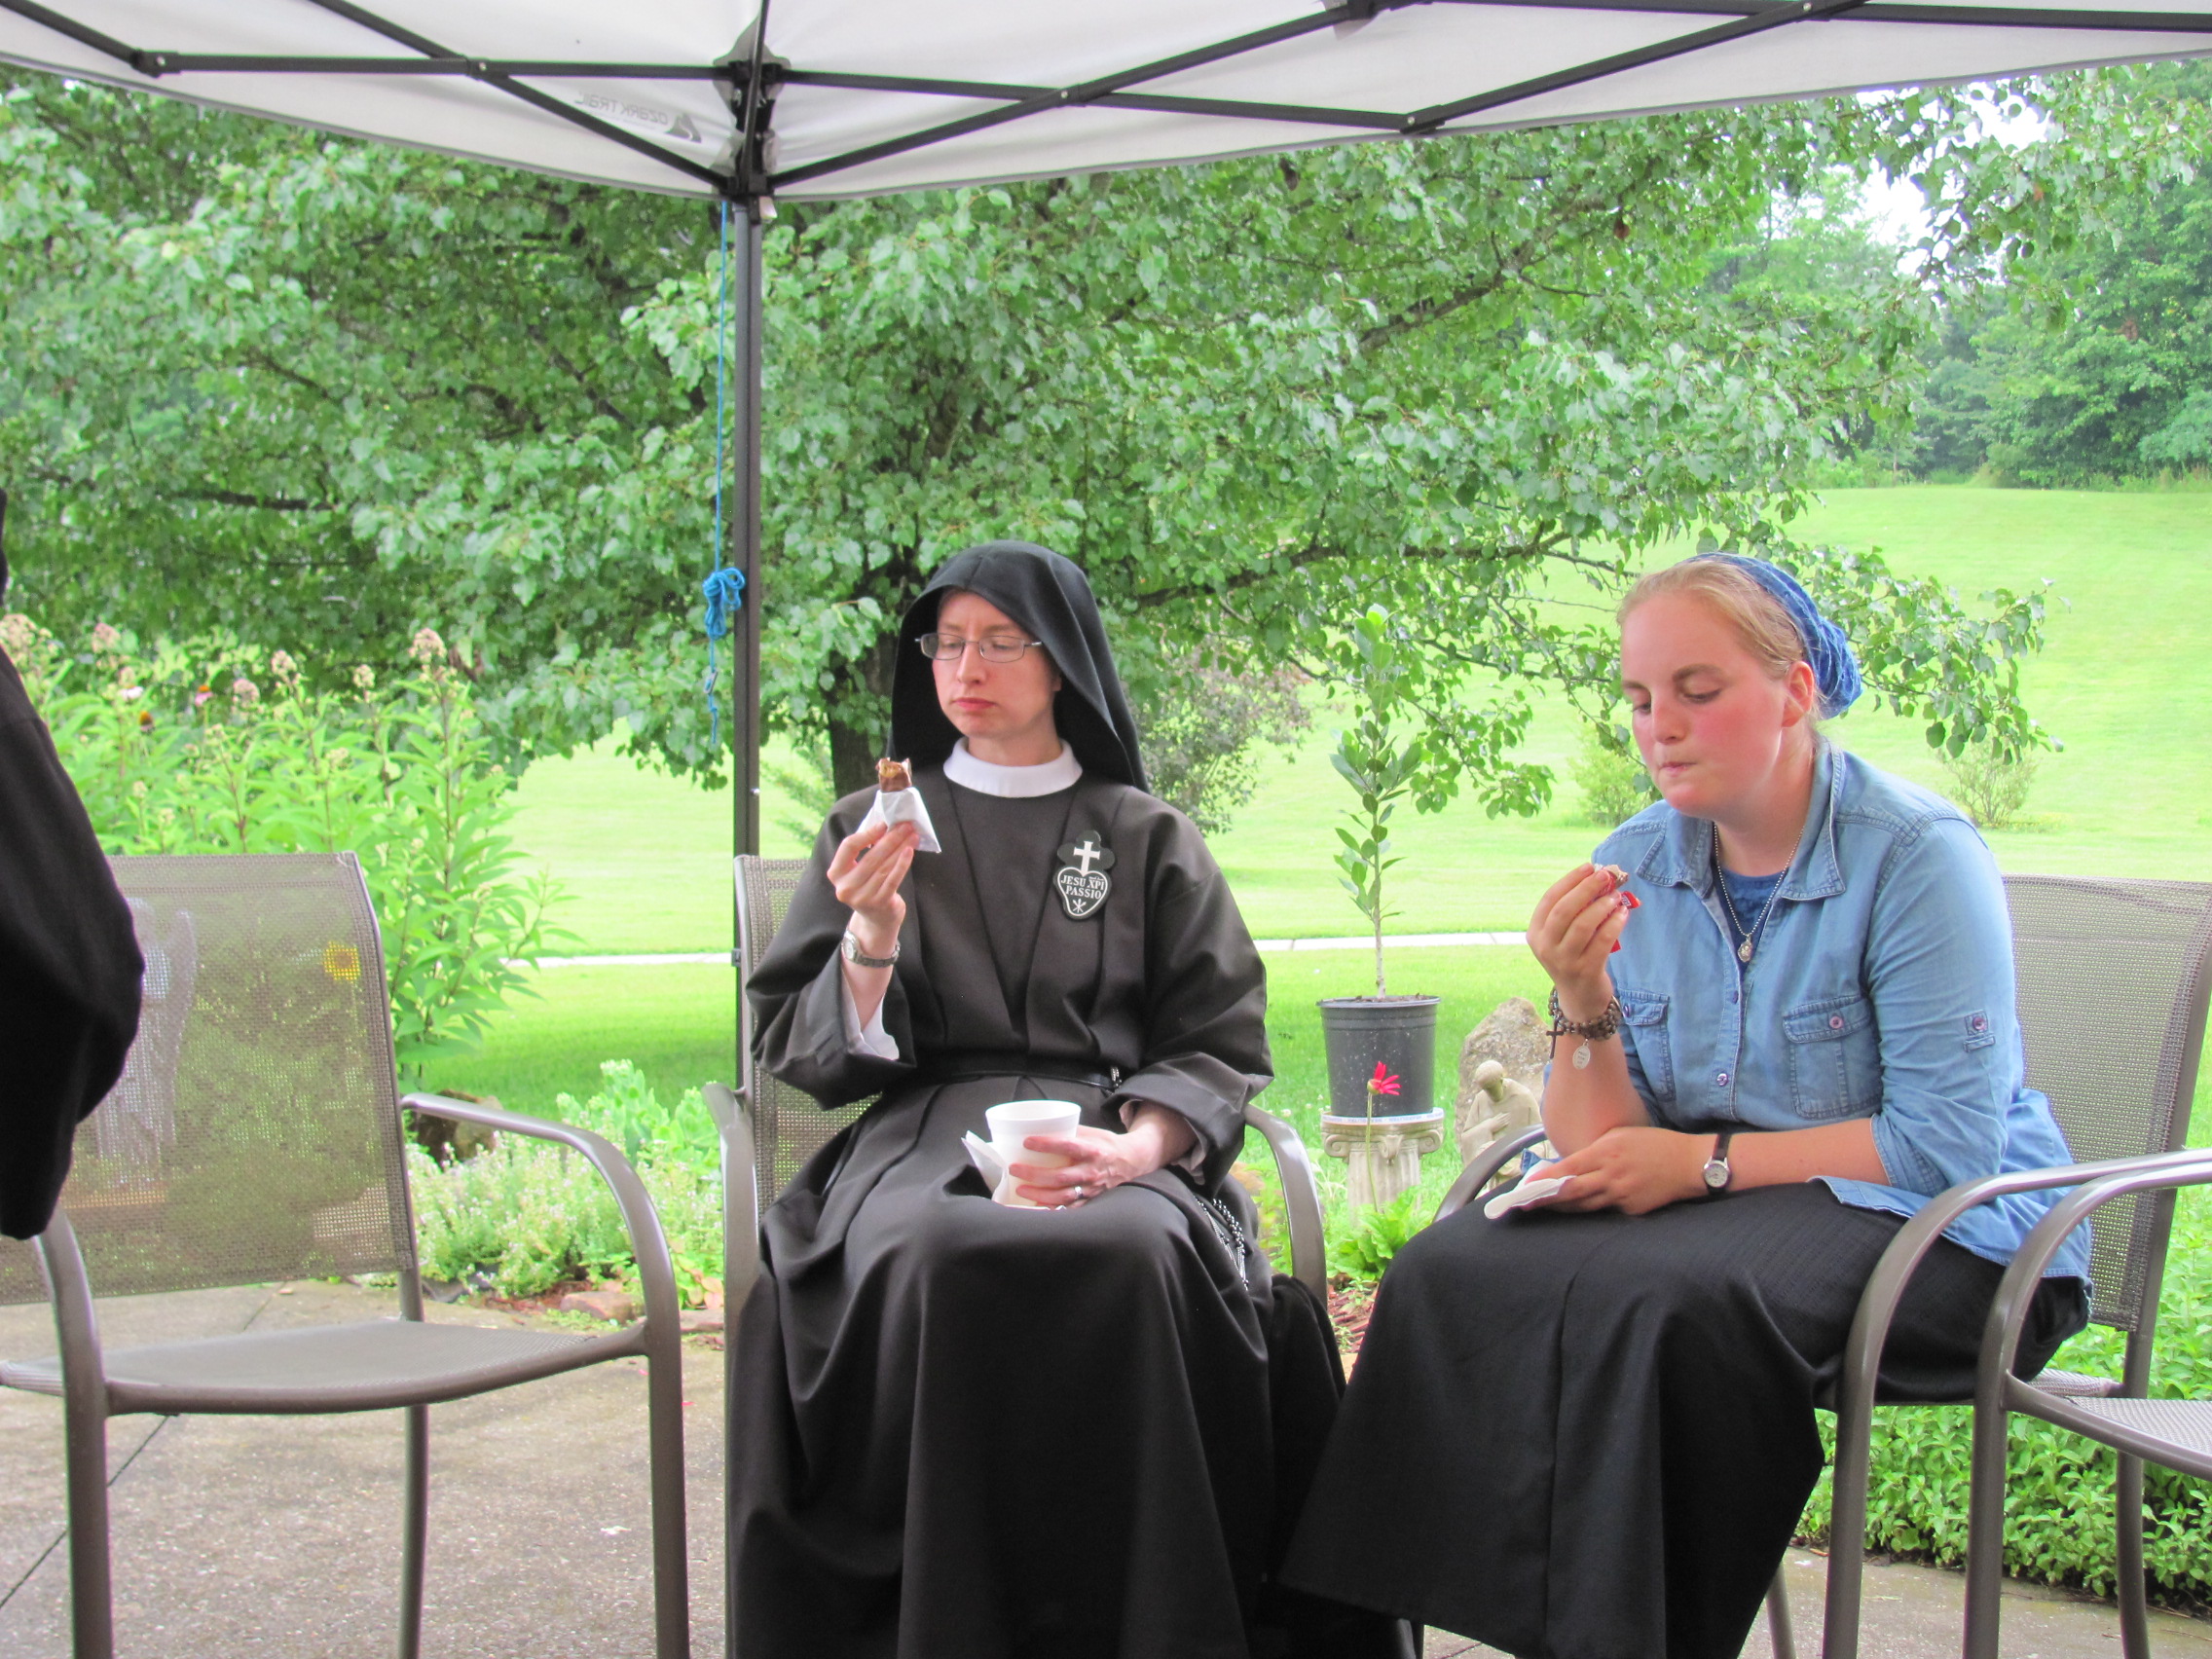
(299, 387)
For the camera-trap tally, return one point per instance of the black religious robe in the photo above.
(960, 1429)
(69, 966)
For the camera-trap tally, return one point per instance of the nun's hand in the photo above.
(865, 873)
(1100, 1159)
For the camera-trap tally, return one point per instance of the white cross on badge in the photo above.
(1080, 887)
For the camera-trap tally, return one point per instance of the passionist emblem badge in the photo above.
(1081, 882)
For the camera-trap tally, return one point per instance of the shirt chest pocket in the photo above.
(1836, 1058)
(1644, 1015)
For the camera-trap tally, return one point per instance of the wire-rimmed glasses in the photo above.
(991, 648)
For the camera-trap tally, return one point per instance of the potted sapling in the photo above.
(1382, 1049)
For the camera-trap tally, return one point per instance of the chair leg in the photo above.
(1985, 1531)
(2135, 1614)
(1779, 1630)
(671, 1569)
(91, 1592)
(1409, 1637)
(414, 1531)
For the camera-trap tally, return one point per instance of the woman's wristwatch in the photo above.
(1718, 1174)
(860, 959)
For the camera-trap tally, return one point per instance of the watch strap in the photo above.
(860, 958)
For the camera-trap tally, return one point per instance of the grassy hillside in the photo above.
(2124, 683)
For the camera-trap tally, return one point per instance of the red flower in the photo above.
(1382, 1083)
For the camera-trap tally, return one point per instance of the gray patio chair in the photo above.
(2113, 982)
(265, 1143)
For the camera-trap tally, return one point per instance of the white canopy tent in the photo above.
(859, 97)
(827, 99)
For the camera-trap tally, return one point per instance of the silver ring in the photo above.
(1079, 1190)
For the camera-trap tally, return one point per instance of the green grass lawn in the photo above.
(2124, 683)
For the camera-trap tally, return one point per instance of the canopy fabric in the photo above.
(859, 98)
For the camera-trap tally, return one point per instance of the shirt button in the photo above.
(1835, 1022)
(1731, 997)
(1721, 1078)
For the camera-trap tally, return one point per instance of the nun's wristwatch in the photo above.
(1716, 1170)
(859, 959)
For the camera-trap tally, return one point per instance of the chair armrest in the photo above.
(1483, 1170)
(1862, 1361)
(2015, 1295)
(1301, 1198)
(741, 1193)
(649, 1243)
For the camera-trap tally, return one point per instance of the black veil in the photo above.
(1051, 598)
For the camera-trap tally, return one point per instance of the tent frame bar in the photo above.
(1111, 92)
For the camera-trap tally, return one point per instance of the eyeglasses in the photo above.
(997, 647)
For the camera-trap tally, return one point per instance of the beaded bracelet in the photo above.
(1597, 1030)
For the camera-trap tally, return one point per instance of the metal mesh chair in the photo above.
(255, 1136)
(2112, 984)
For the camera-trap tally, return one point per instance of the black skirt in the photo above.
(1592, 1436)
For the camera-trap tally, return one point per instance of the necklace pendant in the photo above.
(1744, 952)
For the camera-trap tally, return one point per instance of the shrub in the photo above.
(1993, 787)
(1364, 1243)
(1201, 730)
(1614, 784)
(201, 747)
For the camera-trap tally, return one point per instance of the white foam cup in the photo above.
(1014, 1123)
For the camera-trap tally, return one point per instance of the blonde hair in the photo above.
(1757, 618)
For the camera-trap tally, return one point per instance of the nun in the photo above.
(962, 1427)
(69, 964)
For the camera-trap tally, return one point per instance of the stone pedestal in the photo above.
(1381, 1155)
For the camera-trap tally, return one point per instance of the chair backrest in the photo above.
(788, 1126)
(255, 1131)
(2112, 985)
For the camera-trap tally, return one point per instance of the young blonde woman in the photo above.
(1586, 1430)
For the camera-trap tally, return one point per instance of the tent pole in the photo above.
(745, 537)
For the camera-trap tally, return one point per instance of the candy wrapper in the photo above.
(1525, 1194)
(1629, 901)
(898, 801)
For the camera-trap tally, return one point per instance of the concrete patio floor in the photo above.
(241, 1536)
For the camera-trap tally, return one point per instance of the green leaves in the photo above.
(209, 745)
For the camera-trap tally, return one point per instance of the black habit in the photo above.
(962, 1429)
(69, 965)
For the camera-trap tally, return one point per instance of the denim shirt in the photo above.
(1882, 988)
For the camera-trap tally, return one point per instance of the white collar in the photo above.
(1014, 782)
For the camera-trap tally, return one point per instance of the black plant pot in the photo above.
(1397, 1032)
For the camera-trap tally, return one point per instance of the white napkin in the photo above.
(1525, 1194)
(905, 806)
(993, 1164)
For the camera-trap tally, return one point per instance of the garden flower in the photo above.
(426, 648)
(245, 690)
(105, 637)
(1382, 1081)
(281, 665)
(200, 696)
(364, 677)
(131, 693)
(18, 633)
(127, 676)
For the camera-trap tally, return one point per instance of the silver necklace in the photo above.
(1751, 934)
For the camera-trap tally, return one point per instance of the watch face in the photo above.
(1716, 1174)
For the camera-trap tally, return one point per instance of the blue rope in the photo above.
(724, 588)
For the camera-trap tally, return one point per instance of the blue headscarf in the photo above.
(1836, 670)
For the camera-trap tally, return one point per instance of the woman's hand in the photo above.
(1634, 1170)
(865, 873)
(1576, 925)
(1100, 1159)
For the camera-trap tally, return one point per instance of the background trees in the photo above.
(296, 388)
